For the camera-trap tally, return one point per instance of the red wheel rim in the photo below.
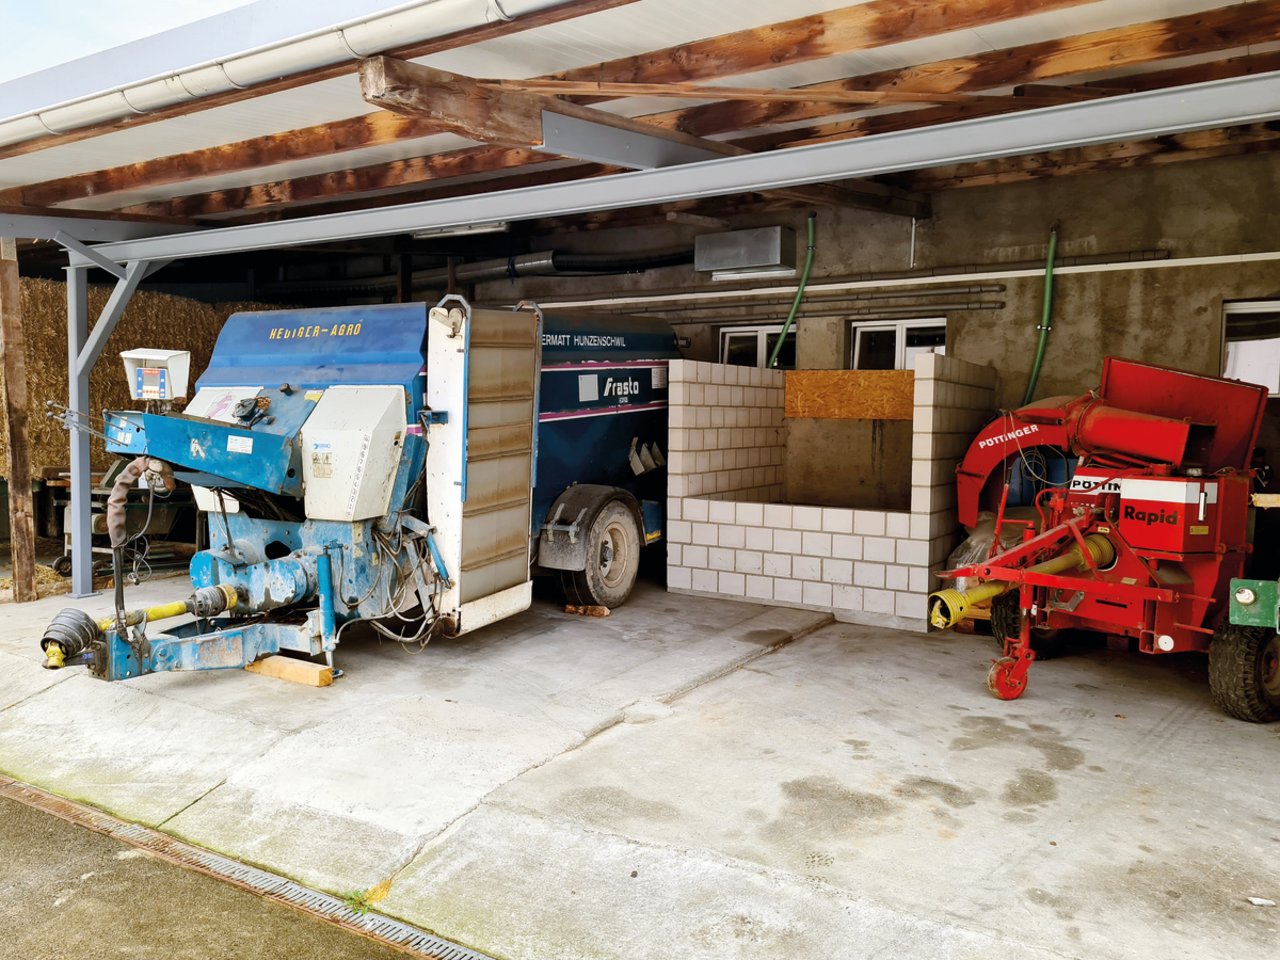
(1002, 680)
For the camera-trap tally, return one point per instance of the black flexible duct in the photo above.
(615, 263)
(546, 263)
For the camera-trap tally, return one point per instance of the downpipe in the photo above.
(1046, 314)
(795, 304)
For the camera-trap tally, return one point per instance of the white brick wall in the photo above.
(727, 535)
(726, 440)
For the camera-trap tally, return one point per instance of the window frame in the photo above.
(1242, 308)
(761, 331)
(900, 328)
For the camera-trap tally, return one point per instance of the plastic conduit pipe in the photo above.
(795, 304)
(1045, 314)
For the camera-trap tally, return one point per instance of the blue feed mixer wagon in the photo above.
(406, 465)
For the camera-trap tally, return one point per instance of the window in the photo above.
(895, 344)
(751, 346)
(1251, 351)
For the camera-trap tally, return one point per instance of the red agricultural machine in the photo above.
(1140, 540)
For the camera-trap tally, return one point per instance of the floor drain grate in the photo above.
(393, 933)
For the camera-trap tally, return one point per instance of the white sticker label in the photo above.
(659, 378)
(588, 387)
(239, 444)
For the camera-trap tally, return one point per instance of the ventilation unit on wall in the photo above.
(755, 254)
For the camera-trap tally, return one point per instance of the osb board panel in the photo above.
(850, 394)
(157, 320)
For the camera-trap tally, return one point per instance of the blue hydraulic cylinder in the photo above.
(324, 586)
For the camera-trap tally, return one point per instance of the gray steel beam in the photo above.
(1136, 116)
(124, 290)
(565, 136)
(78, 402)
(48, 226)
(68, 242)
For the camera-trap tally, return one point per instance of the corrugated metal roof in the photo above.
(628, 30)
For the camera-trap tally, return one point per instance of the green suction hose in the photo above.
(1046, 313)
(795, 304)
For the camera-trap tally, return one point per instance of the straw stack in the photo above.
(156, 320)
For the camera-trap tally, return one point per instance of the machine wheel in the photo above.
(1002, 680)
(613, 559)
(1244, 672)
(62, 566)
(1006, 621)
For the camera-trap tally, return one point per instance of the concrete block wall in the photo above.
(864, 566)
(954, 399)
(726, 440)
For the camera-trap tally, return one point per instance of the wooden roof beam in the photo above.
(863, 26)
(1223, 69)
(1224, 28)
(1200, 145)
(1042, 95)
(519, 177)
(321, 140)
(462, 166)
(456, 104)
(510, 118)
(1208, 144)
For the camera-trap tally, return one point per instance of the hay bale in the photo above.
(157, 320)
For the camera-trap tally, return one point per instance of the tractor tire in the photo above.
(1006, 621)
(1244, 672)
(613, 560)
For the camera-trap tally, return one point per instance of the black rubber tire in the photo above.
(1006, 621)
(1244, 672)
(62, 566)
(613, 560)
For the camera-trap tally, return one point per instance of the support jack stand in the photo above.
(1007, 678)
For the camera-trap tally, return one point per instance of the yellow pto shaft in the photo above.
(72, 630)
(949, 607)
(162, 611)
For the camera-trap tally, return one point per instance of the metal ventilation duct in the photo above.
(746, 254)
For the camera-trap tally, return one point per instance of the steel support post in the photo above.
(122, 293)
(78, 402)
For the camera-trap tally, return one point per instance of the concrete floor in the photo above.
(68, 892)
(664, 782)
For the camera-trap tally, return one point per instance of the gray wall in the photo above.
(848, 463)
(1171, 316)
